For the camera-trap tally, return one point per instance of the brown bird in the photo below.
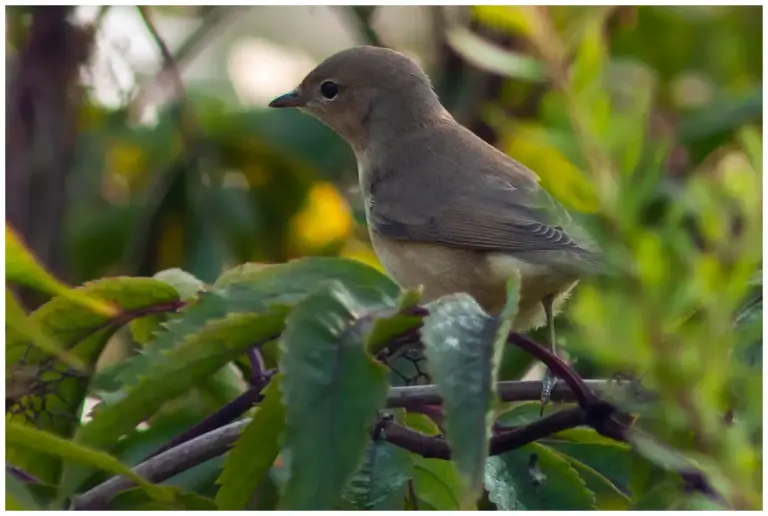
(445, 210)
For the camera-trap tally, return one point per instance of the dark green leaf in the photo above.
(331, 390)
(254, 453)
(516, 481)
(463, 348)
(381, 481)
(137, 500)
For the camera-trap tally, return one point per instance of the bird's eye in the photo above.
(329, 89)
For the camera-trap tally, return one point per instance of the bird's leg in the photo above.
(549, 380)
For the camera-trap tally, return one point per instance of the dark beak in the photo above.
(291, 99)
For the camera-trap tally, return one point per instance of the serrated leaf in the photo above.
(49, 394)
(173, 374)
(603, 463)
(381, 481)
(550, 483)
(24, 436)
(185, 283)
(331, 390)
(252, 287)
(254, 452)
(609, 458)
(188, 286)
(607, 495)
(463, 348)
(16, 320)
(22, 268)
(292, 281)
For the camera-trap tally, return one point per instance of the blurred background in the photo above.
(138, 139)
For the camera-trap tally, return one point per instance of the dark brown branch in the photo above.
(583, 395)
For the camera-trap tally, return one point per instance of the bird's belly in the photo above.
(442, 271)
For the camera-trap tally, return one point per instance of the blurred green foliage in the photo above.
(645, 121)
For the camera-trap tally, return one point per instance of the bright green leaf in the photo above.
(21, 267)
(24, 436)
(185, 283)
(491, 58)
(18, 321)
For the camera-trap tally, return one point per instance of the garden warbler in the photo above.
(445, 210)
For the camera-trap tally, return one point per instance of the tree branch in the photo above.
(164, 466)
(507, 391)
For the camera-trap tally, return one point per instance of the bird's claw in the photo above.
(547, 385)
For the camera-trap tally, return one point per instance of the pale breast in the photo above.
(442, 271)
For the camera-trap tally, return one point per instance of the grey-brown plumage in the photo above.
(445, 210)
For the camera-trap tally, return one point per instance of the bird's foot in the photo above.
(547, 385)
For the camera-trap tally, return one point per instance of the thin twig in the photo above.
(216, 18)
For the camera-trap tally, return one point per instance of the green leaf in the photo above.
(254, 452)
(436, 482)
(611, 459)
(137, 500)
(491, 58)
(175, 372)
(21, 267)
(331, 390)
(251, 287)
(394, 322)
(185, 283)
(464, 346)
(607, 496)
(24, 436)
(591, 55)
(48, 394)
(602, 463)
(17, 321)
(516, 482)
(17, 495)
(189, 287)
(290, 282)
(514, 19)
(380, 483)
